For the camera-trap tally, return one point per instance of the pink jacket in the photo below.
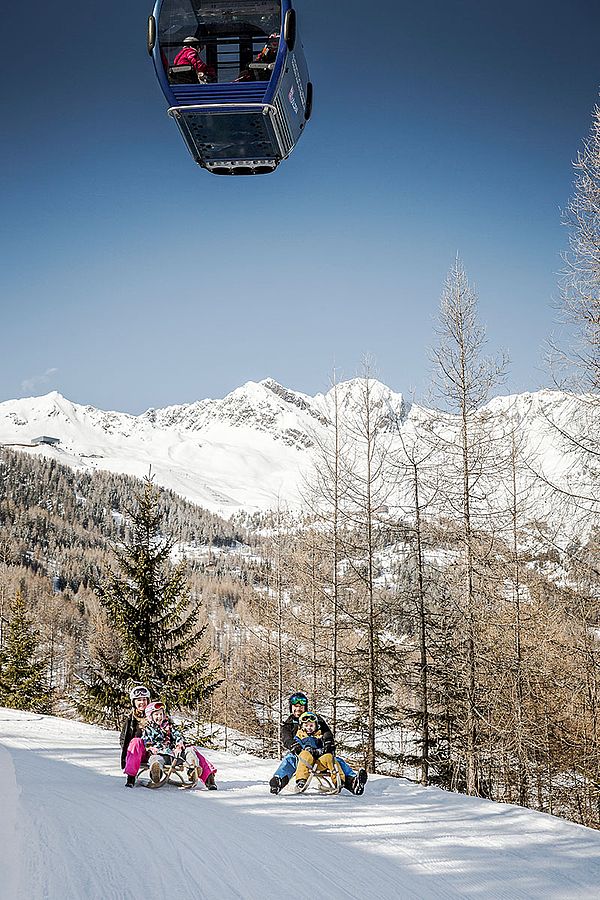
(190, 57)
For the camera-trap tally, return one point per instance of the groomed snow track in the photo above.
(70, 830)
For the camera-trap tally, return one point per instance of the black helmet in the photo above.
(298, 698)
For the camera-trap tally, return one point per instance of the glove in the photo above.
(316, 753)
(297, 748)
(329, 749)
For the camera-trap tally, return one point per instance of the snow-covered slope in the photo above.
(69, 830)
(249, 450)
(246, 451)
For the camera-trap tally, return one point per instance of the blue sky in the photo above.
(131, 278)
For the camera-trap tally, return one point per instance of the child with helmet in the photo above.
(314, 754)
(164, 742)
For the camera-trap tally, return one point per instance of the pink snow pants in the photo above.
(137, 756)
(206, 768)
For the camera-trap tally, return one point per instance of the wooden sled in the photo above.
(177, 774)
(328, 782)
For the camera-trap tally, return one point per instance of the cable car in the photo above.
(235, 78)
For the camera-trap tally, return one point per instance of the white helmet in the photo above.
(154, 707)
(138, 691)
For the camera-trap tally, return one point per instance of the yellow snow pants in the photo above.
(325, 763)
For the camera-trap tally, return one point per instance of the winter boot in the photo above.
(277, 784)
(359, 781)
(300, 784)
(210, 782)
(130, 781)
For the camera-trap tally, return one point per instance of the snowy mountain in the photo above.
(70, 830)
(246, 451)
(249, 450)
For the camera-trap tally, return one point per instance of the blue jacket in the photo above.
(310, 741)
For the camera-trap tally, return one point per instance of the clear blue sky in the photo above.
(131, 278)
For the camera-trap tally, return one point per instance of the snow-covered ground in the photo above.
(70, 830)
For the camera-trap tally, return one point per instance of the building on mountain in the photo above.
(44, 439)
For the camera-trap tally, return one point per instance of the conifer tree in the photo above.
(23, 683)
(155, 620)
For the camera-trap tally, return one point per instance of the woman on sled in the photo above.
(133, 750)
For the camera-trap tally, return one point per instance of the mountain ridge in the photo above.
(249, 450)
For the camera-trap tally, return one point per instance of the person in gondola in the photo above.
(189, 55)
(267, 56)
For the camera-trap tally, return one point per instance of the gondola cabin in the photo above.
(235, 78)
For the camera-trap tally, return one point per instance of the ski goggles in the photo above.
(298, 700)
(308, 717)
(139, 692)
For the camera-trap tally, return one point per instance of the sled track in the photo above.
(82, 828)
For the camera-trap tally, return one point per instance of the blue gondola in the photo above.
(244, 112)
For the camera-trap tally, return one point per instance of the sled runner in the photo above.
(328, 782)
(176, 773)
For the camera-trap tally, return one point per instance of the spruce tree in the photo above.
(154, 620)
(23, 683)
